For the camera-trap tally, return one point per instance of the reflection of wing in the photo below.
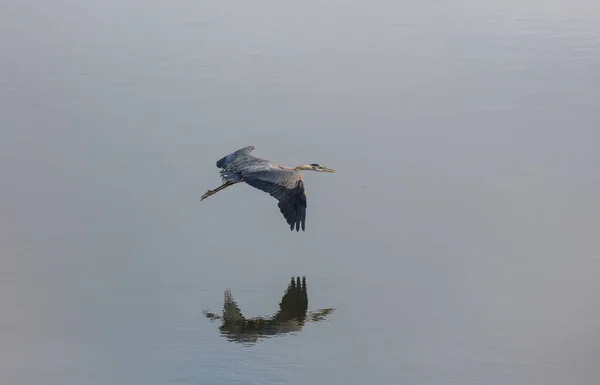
(231, 311)
(294, 303)
(284, 185)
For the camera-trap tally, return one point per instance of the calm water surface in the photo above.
(456, 244)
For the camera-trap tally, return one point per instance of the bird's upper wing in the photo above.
(227, 159)
(284, 185)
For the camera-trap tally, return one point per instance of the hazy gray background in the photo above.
(458, 240)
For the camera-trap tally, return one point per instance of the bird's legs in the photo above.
(221, 187)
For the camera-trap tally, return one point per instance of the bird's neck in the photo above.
(303, 167)
(297, 168)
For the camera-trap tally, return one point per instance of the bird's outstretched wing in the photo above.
(284, 185)
(227, 159)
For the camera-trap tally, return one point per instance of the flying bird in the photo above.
(283, 183)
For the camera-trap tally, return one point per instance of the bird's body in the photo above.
(283, 183)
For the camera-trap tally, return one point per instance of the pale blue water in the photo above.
(457, 242)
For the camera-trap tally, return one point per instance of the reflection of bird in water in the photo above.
(283, 183)
(292, 314)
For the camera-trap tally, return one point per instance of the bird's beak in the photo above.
(325, 169)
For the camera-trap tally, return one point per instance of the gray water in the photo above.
(457, 243)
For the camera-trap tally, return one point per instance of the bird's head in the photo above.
(316, 167)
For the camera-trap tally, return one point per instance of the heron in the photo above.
(283, 183)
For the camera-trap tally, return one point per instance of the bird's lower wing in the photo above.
(292, 201)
